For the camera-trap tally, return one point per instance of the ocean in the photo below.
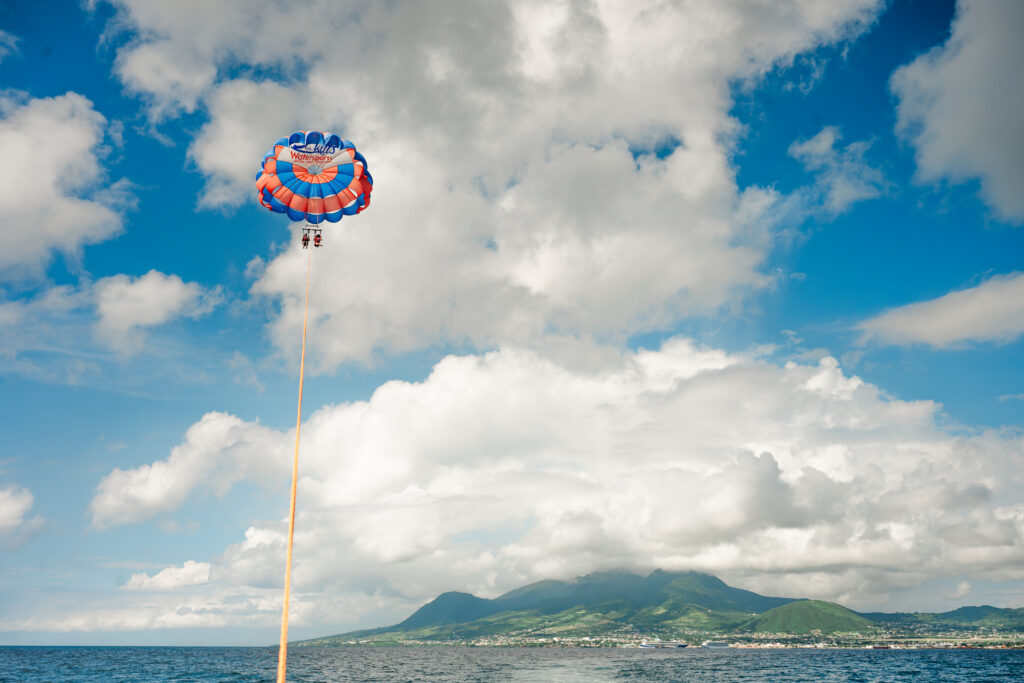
(540, 665)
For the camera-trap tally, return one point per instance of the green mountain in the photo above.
(601, 592)
(662, 604)
(962, 618)
(602, 602)
(805, 616)
(449, 608)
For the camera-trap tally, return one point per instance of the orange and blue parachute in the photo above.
(315, 177)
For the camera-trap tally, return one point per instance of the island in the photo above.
(676, 609)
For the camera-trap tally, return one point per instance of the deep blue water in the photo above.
(330, 665)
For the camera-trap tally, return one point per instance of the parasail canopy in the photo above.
(314, 176)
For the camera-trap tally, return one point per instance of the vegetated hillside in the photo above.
(804, 616)
(662, 604)
(983, 616)
(636, 592)
(450, 608)
(598, 602)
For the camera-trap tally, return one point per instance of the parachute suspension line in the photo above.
(282, 653)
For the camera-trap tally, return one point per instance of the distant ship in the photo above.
(663, 644)
(715, 643)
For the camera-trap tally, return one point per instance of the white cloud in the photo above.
(204, 606)
(508, 467)
(8, 44)
(172, 578)
(990, 312)
(47, 336)
(53, 198)
(843, 175)
(512, 201)
(218, 451)
(179, 78)
(53, 301)
(127, 305)
(15, 504)
(962, 104)
(236, 137)
(962, 589)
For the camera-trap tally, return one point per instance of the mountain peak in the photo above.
(452, 607)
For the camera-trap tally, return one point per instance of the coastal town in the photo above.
(881, 639)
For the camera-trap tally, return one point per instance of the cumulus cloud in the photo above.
(518, 193)
(54, 199)
(15, 504)
(238, 134)
(843, 175)
(962, 104)
(509, 467)
(189, 574)
(126, 305)
(179, 78)
(218, 451)
(990, 312)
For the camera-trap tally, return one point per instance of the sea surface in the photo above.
(456, 664)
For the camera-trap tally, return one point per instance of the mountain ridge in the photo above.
(661, 603)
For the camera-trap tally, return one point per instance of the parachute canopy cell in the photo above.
(315, 177)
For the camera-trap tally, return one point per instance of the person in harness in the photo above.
(318, 241)
(305, 240)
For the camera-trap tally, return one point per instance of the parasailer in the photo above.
(314, 177)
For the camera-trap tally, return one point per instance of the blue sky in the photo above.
(725, 287)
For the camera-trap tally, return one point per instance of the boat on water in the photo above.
(662, 644)
(715, 644)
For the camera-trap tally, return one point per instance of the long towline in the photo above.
(282, 653)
